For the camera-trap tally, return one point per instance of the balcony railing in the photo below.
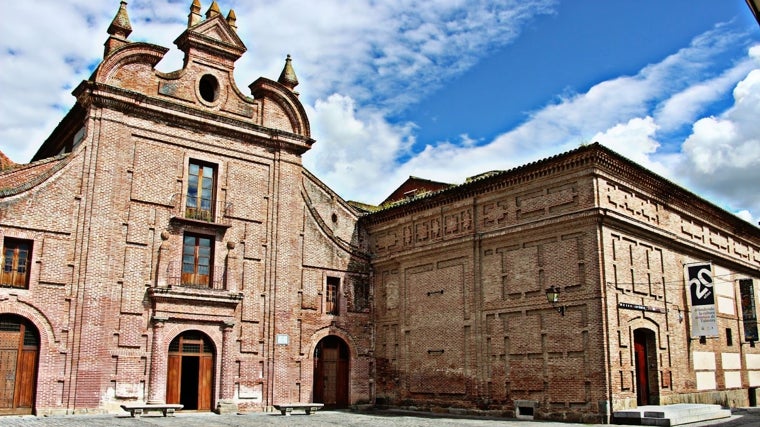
(215, 280)
(205, 211)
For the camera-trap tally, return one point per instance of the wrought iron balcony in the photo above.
(202, 210)
(215, 280)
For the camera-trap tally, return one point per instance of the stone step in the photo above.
(670, 415)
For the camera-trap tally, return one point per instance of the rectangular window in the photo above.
(749, 313)
(200, 191)
(17, 254)
(331, 296)
(197, 260)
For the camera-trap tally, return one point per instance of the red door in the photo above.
(641, 338)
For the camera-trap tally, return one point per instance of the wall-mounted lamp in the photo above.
(552, 295)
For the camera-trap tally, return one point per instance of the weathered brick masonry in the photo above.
(462, 318)
(113, 283)
(167, 245)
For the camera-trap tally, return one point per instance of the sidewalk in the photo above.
(741, 418)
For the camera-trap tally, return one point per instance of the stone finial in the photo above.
(213, 10)
(288, 76)
(232, 19)
(120, 26)
(194, 18)
(118, 31)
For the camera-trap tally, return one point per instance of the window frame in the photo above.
(201, 182)
(332, 295)
(748, 309)
(10, 278)
(196, 278)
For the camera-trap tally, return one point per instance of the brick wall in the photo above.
(461, 314)
(108, 226)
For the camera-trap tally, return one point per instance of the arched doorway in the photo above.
(19, 348)
(331, 369)
(645, 355)
(190, 371)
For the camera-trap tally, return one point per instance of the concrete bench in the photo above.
(137, 409)
(287, 408)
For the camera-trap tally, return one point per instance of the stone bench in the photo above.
(287, 408)
(137, 409)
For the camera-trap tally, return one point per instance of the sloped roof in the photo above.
(24, 177)
(414, 187)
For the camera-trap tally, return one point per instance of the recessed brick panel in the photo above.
(156, 169)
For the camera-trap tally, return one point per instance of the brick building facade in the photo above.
(460, 278)
(174, 249)
(166, 245)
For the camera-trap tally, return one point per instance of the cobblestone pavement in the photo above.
(322, 418)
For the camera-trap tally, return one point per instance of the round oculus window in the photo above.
(208, 88)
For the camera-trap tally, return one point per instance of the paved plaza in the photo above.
(741, 418)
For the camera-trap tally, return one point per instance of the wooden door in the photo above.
(341, 383)
(27, 373)
(331, 372)
(205, 368)
(642, 371)
(330, 376)
(18, 365)
(190, 372)
(173, 378)
(8, 363)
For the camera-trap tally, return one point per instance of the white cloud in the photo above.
(747, 216)
(684, 107)
(620, 113)
(359, 62)
(722, 154)
(387, 54)
(633, 140)
(362, 148)
(42, 62)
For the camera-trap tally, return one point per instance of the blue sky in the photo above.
(446, 89)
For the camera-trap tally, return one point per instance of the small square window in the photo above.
(17, 255)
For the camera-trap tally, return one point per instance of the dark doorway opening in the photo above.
(188, 394)
(331, 372)
(190, 371)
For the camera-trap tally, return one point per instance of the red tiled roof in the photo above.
(414, 187)
(23, 177)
